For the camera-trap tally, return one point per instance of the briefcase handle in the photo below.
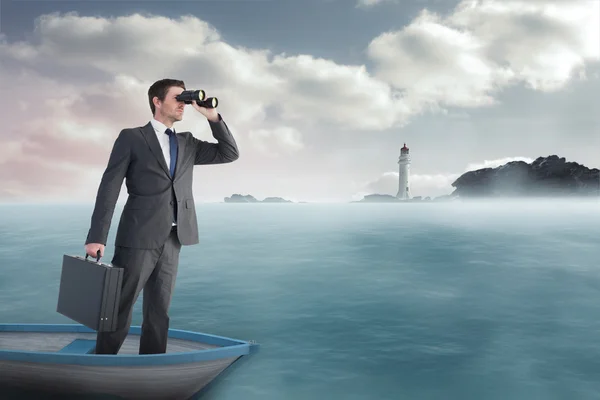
(97, 256)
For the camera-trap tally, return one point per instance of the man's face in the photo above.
(171, 108)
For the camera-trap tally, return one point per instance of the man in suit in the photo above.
(159, 216)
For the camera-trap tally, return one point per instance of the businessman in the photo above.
(159, 216)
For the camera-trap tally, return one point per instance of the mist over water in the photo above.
(451, 300)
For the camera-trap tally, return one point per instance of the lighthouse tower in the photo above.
(403, 170)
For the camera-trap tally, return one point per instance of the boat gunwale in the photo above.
(230, 348)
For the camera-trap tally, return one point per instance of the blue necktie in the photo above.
(173, 148)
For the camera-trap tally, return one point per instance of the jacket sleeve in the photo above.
(224, 151)
(109, 189)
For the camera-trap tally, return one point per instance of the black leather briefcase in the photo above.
(89, 292)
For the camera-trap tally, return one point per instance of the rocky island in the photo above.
(239, 198)
(550, 176)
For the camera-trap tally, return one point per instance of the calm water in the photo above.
(364, 301)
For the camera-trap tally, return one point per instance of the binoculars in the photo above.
(188, 96)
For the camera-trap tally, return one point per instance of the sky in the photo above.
(320, 95)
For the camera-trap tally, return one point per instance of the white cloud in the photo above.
(250, 80)
(542, 43)
(496, 163)
(466, 58)
(317, 91)
(74, 93)
(90, 86)
(436, 64)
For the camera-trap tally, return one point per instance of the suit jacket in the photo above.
(148, 213)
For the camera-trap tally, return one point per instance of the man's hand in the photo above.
(91, 249)
(210, 113)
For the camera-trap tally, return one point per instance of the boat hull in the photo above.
(63, 362)
(152, 382)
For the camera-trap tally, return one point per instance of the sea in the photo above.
(418, 301)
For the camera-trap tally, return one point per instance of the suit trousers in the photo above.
(153, 271)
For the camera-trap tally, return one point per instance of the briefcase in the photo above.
(89, 292)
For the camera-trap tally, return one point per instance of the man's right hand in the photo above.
(91, 249)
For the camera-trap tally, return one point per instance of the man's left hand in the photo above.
(210, 113)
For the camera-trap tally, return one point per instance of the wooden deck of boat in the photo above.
(54, 341)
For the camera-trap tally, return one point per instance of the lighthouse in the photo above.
(403, 170)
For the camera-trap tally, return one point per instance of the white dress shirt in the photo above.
(163, 139)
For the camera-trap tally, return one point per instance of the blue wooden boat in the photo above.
(59, 358)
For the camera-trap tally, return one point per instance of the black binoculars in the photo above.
(187, 96)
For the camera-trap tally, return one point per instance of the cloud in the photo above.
(319, 91)
(466, 58)
(123, 45)
(496, 163)
(87, 87)
(72, 94)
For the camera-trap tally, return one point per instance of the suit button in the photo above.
(171, 202)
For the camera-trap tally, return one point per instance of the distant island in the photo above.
(550, 176)
(239, 198)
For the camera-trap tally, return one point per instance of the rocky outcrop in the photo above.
(275, 200)
(238, 198)
(550, 176)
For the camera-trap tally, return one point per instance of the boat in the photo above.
(60, 359)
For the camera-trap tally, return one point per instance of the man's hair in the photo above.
(160, 88)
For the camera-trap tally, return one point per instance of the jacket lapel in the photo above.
(180, 155)
(150, 136)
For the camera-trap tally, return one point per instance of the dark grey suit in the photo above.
(146, 245)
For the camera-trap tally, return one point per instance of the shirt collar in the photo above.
(159, 126)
